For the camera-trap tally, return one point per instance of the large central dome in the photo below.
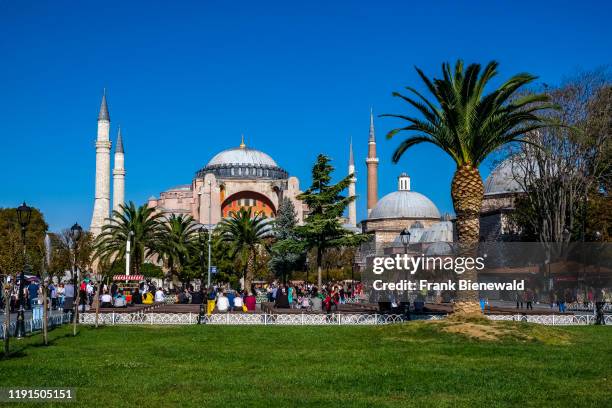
(243, 163)
(242, 156)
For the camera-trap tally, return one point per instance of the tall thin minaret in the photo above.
(101, 209)
(118, 174)
(372, 164)
(352, 209)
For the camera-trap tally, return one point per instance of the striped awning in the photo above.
(129, 277)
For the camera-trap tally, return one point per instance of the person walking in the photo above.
(210, 300)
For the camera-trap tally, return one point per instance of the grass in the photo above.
(448, 364)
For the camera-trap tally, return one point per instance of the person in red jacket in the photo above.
(250, 301)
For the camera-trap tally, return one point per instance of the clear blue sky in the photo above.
(184, 80)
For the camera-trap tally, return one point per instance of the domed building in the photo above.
(501, 188)
(234, 178)
(403, 209)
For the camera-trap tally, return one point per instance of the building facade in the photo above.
(240, 177)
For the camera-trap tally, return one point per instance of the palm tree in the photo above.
(469, 125)
(247, 235)
(177, 242)
(145, 225)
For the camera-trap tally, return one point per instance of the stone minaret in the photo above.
(101, 209)
(372, 163)
(118, 174)
(352, 209)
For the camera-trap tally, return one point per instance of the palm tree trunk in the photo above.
(467, 192)
(7, 317)
(248, 275)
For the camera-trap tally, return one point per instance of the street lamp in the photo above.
(405, 239)
(76, 231)
(24, 213)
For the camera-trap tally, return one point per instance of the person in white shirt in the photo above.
(159, 295)
(238, 302)
(106, 300)
(222, 303)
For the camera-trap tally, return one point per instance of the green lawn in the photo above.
(414, 364)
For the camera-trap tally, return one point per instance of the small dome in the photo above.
(502, 179)
(242, 156)
(405, 204)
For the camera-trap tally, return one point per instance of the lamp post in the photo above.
(24, 213)
(405, 239)
(128, 251)
(209, 226)
(76, 232)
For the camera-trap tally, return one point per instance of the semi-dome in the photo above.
(503, 179)
(243, 163)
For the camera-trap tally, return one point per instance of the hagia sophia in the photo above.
(243, 176)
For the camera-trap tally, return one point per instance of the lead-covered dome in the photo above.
(244, 156)
(405, 204)
(503, 179)
(243, 163)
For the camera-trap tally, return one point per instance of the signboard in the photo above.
(213, 270)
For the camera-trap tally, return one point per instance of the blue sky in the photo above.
(185, 79)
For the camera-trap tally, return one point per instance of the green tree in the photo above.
(177, 246)
(469, 125)
(143, 222)
(248, 235)
(283, 259)
(322, 228)
(11, 249)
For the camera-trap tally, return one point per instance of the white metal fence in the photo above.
(32, 325)
(313, 319)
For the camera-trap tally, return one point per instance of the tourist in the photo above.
(120, 300)
(159, 295)
(136, 297)
(68, 297)
(60, 296)
(238, 302)
(32, 294)
(250, 301)
(290, 293)
(147, 298)
(210, 300)
(53, 295)
(223, 304)
(197, 298)
(231, 297)
(106, 300)
(282, 298)
(529, 299)
(315, 300)
(519, 299)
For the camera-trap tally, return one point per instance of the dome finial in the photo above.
(242, 145)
